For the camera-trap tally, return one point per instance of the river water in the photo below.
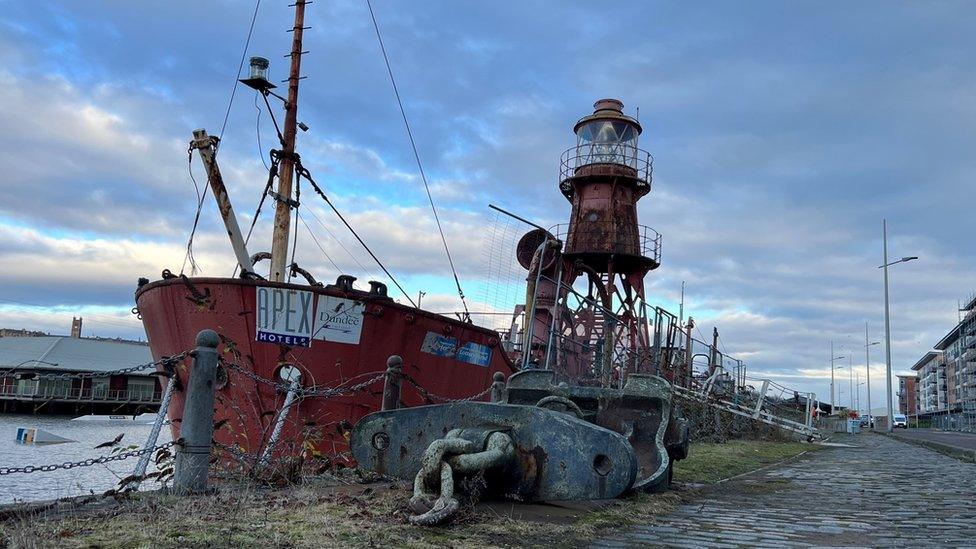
(77, 481)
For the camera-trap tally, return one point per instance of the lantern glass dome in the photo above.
(607, 141)
(259, 68)
(607, 131)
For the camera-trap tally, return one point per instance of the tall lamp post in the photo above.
(832, 359)
(867, 367)
(884, 234)
(851, 373)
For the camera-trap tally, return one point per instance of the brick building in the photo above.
(907, 395)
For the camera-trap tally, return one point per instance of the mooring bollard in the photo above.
(196, 429)
(391, 386)
(498, 387)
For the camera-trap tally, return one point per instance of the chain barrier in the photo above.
(303, 392)
(431, 397)
(86, 463)
(120, 371)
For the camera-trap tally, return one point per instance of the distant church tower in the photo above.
(76, 327)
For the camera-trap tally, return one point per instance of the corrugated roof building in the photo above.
(23, 359)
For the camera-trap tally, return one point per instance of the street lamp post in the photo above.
(884, 234)
(867, 367)
(832, 359)
(851, 373)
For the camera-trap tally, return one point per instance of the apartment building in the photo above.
(930, 382)
(946, 377)
(907, 395)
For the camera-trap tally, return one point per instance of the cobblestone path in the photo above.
(877, 493)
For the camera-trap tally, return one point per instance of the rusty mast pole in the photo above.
(282, 223)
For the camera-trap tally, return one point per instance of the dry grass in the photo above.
(317, 514)
(710, 462)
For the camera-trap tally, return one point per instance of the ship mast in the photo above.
(282, 222)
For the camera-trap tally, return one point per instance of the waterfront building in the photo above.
(22, 359)
(946, 377)
(907, 395)
(930, 374)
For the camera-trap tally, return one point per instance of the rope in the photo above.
(416, 155)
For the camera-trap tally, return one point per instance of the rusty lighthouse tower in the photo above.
(586, 297)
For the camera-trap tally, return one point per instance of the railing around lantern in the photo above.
(648, 242)
(609, 154)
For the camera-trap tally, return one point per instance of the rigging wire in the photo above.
(302, 172)
(365, 269)
(257, 130)
(230, 103)
(240, 66)
(416, 155)
(319, 245)
(298, 215)
(196, 218)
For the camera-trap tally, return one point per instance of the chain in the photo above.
(120, 371)
(86, 463)
(240, 455)
(330, 392)
(431, 396)
(302, 392)
(311, 391)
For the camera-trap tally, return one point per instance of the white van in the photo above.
(900, 421)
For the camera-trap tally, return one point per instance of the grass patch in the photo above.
(317, 514)
(708, 463)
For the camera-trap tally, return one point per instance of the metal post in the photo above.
(530, 293)
(391, 386)
(762, 396)
(498, 387)
(850, 373)
(196, 429)
(688, 352)
(867, 361)
(295, 381)
(809, 420)
(282, 222)
(832, 399)
(713, 355)
(202, 142)
(884, 234)
(553, 321)
(140, 469)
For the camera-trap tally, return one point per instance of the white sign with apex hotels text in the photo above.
(284, 316)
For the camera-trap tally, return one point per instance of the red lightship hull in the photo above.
(445, 357)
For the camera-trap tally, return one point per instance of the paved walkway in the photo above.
(966, 441)
(880, 492)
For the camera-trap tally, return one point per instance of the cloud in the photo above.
(781, 139)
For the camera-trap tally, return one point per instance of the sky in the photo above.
(782, 135)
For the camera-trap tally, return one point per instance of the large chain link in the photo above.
(120, 371)
(86, 463)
